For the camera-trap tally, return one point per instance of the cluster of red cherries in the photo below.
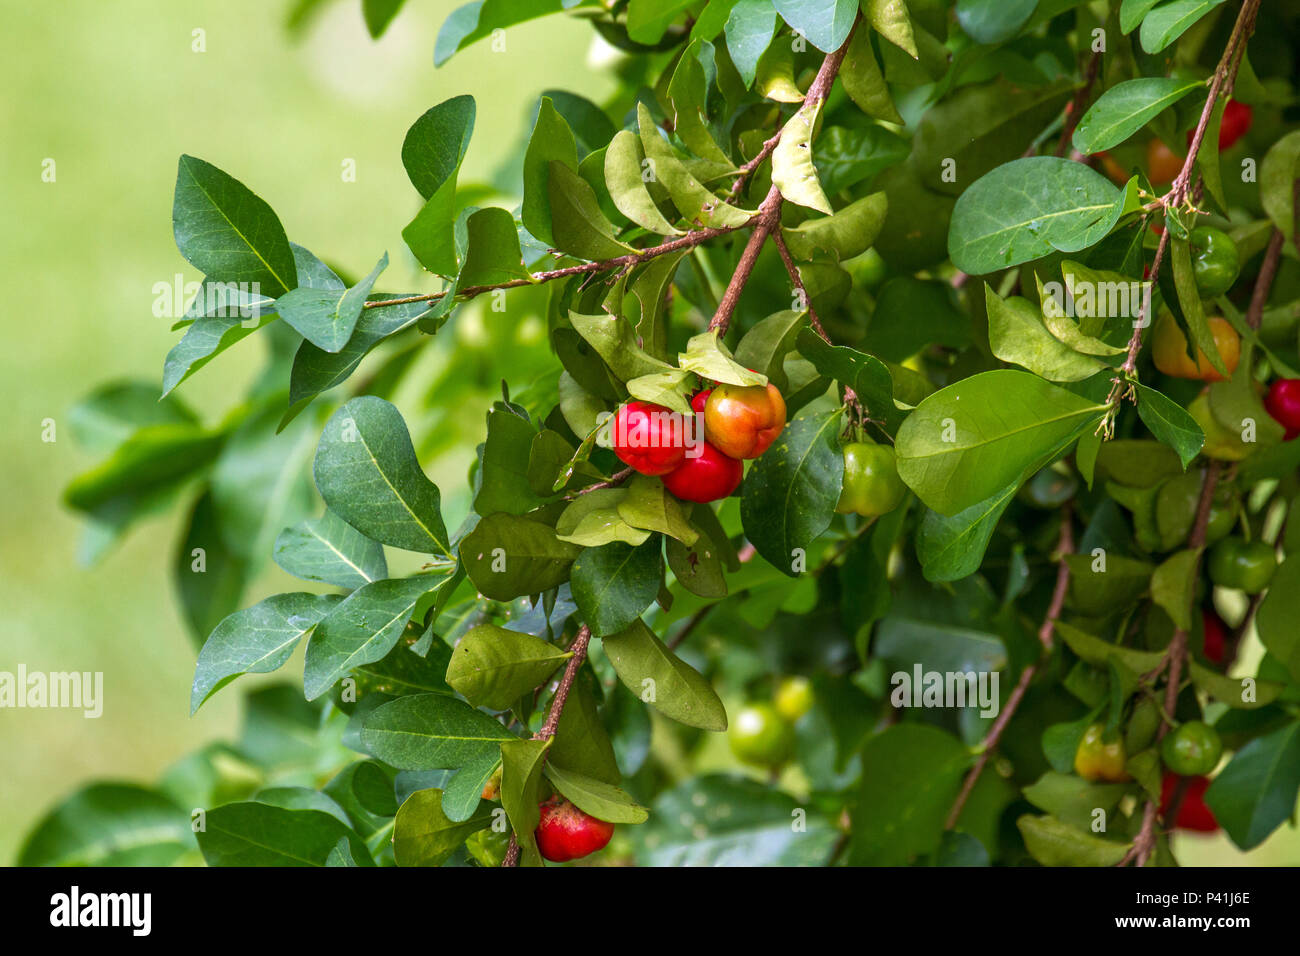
(740, 422)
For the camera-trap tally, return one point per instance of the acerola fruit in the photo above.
(492, 789)
(1163, 164)
(1169, 349)
(707, 477)
(1244, 565)
(760, 735)
(1283, 403)
(1214, 260)
(567, 833)
(871, 483)
(1193, 814)
(1216, 636)
(743, 421)
(793, 698)
(1193, 749)
(649, 437)
(1098, 760)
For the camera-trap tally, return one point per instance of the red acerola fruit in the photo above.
(649, 437)
(1193, 814)
(1283, 403)
(566, 833)
(743, 421)
(1216, 636)
(709, 476)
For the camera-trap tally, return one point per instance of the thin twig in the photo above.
(1076, 105)
(790, 267)
(1065, 545)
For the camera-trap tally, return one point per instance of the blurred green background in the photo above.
(113, 93)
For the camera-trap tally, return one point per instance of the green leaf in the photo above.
(581, 743)
(209, 577)
(1189, 297)
(826, 23)
(1027, 208)
(666, 388)
(477, 19)
(1053, 843)
(379, 14)
(424, 836)
(260, 483)
(659, 678)
(708, 357)
(614, 583)
(228, 233)
(847, 233)
(688, 92)
(716, 820)
(749, 30)
(153, 458)
(648, 20)
(1127, 107)
(950, 547)
(215, 329)
(551, 141)
(367, 472)
(437, 732)
(1131, 13)
(614, 339)
(1017, 335)
(1239, 693)
(109, 824)
(432, 152)
(502, 480)
(1256, 792)
(693, 200)
(593, 520)
(627, 187)
(521, 780)
(648, 506)
(103, 419)
(792, 489)
(577, 222)
(258, 834)
(1095, 651)
(315, 370)
(493, 255)
(1275, 621)
(327, 319)
(863, 81)
(890, 19)
(1165, 24)
(1173, 586)
(329, 550)
(766, 345)
(361, 630)
(793, 172)
(256, 640)
(993, 21)
(493, 667)
(910, 776)
(912, 314)
(1170, 423)
(508, 557)
(602, 800)
(969, 441)
(1277, 175)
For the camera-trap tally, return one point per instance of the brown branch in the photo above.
(614, 482)
(1076, 105)
(747, 169)
(689, 241)
(769, 213)
(1175, 655)
(579, 650)
(790, 267)
(1065, 545)
(1264, 281)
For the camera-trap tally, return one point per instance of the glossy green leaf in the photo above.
(993, 21)
(614, 583)
(950, 547)
(1125, 108)
(826, 23)
(602, 800)
(660, 678)
(109, 824)
(1017, 335)
(432, 152)
(846, 234)
(521, 780)
(1167, 22)
(1053, 843)
(329, 550)
(508, 557)
(1170, 423)
(327, 319)
(424, 836)
(493, 667)
(793, 172)
(228, 233)
(551, 141)
(367, 472)
(258, 834)
(1256, 792)
(969, 441)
